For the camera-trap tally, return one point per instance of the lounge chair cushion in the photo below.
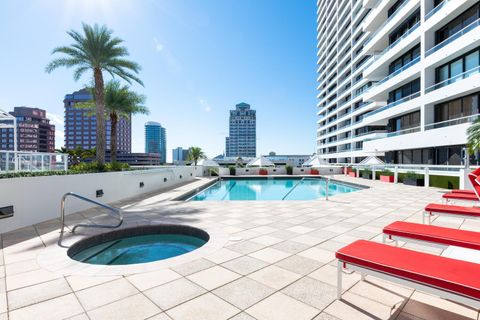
(443, 273)
(446, 236)
(460, 196)
(445, 208)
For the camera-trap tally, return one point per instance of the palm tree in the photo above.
(61, 150)
(98, 51)
(473, 140)
(120, 102)
(195, 154)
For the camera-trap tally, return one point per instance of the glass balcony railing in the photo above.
(435, 10)
(406, 34)
(402, 132)
(398, 71)
(452, 122)
(454, 79)
(386, 21)
(393, 104)
(453, 37)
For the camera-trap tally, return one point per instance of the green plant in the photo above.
(195, 154)
(232, 170)
(386, 172)
(366, 171)
(96, 50)
(120, 102)
(412, 175)
(213, 172)
(289, 169)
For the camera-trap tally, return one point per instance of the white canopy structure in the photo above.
(10, 122)
(260, 162)
(315, 162)
(208, 163)
(371, 161)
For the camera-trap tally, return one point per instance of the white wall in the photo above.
(322, 170)
(36, 199)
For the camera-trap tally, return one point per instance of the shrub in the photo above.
(213, 172)
(289, 169)
(232, 170)
(412, 175)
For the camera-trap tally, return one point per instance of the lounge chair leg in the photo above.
(339, 280)
(384, 238)
(429, 218)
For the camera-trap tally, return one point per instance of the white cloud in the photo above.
(59, 134)
(205, 105)
(158, 45)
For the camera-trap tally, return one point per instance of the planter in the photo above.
(263, 172)
(386, 178)
(414, 182)
(347, 170)
(314, 171)
(352, 174)
(366, 175)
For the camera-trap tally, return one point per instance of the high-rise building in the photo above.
(81, 130)
(156, 139)
(179, 155)
(397, 79)
(242, 139)
(34, 131)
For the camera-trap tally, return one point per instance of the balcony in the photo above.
(435, 10)
(452, 122)
(397, 72)
(453, 37)
(454, 79)
(393, 104)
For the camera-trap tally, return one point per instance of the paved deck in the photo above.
(278, 264)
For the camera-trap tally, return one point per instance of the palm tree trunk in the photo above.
(113, 136)
(100, 115)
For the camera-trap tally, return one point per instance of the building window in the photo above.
(395, 7)
(457, 108)
(458, 66)
(404, 59)
(457, 24)
(404, 91)
(405, 26)
(407, 121)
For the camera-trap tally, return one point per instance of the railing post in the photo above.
(427, 178)
(7, 161)
(326, 188)
(373, 173)
(395, 174)
(65, 162)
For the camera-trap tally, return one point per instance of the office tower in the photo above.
(179, 155)
(81, 130)
(34, 131)
(242, 139)
(397, 79)
(156, 139)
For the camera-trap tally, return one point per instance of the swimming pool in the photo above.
(271, 189)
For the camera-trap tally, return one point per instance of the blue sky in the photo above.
(199, 58)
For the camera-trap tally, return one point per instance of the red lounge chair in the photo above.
(460, 196)
(467, 195)
(446, 209)
(445, 277)
(438, 236)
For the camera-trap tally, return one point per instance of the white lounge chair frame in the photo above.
(404, 282)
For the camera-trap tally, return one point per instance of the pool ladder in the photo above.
(116, 211)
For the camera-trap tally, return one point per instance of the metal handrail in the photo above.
(290, 191)
(117, 211)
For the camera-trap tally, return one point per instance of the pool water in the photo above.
(139, 249)
(271, 189)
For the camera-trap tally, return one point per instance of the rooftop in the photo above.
(275, 260)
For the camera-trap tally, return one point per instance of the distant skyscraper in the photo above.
(156, 139)
(242, 139)
(81, 130)
(34, 131)
(179, 155)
